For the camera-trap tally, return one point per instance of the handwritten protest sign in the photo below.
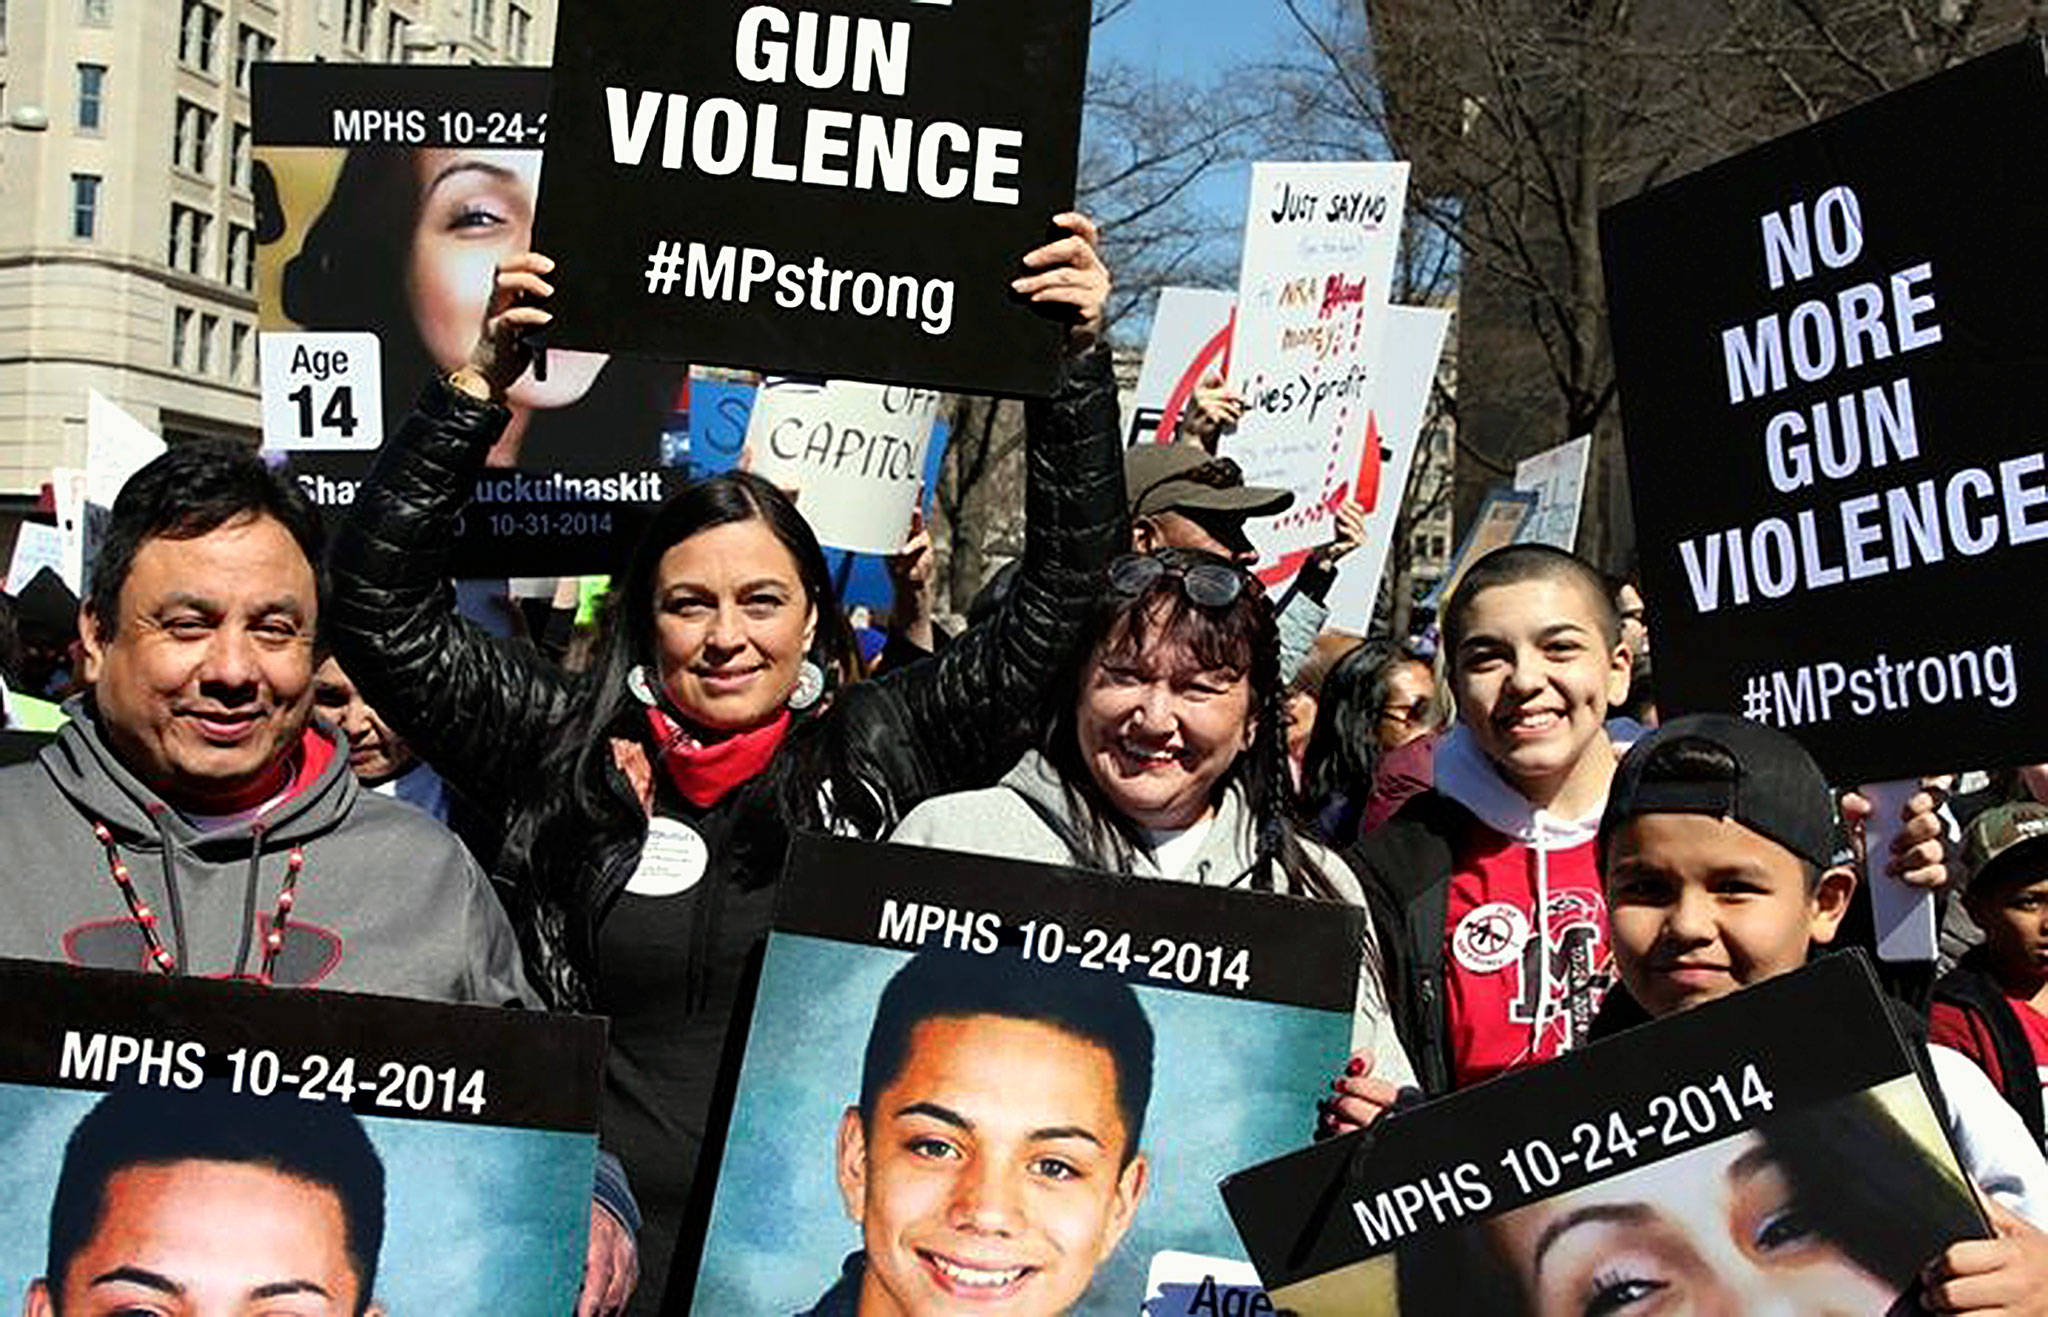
(36, 546)
(1635, 1146)
(392, 194)
(1062, 992)
(1319, 249)
(429, 1119)
(854, 452)
(1833, 427)
(1190, 341)
(1557, 477)
(841, 190)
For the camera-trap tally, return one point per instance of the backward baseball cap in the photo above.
(1999, 839)
(1777, 790)
(1185, 477)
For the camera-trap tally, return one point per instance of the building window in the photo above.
(238, 351)
(192, 141)
(93, 13)
(516, 24)
(251, 47)
(395, 28)
(85, 206)
(181, 330)
(483, 19)
(92, 85)
(199, 36)
(241, 271)
(190, 234)
(359, 19)
(238, 157)
(209, 329)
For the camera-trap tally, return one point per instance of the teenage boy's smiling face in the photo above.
(992, 1177)
(1699, 906)
(1534, 674)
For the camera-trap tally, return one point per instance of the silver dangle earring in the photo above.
(640, 684)
(809, 688)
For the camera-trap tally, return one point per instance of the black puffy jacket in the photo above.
(481, 710)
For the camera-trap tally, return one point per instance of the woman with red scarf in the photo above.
(649, 801)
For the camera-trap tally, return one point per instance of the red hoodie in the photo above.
(1501, 980)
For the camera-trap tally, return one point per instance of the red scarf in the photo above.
(706, 773)
(304, 766)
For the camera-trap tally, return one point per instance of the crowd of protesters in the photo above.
(290, 757)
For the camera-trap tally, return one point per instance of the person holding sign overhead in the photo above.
(650, 800)
(1163, 755)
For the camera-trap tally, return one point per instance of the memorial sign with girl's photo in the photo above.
(386, 196)
(1734, 1156)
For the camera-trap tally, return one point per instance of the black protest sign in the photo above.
(386, 198)
(842, 189)
(1551, 1179)
(1105, 1048)
(200, 1099)
(1832, 407)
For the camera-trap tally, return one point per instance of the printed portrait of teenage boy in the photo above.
(1718, 854)
(204, 1204)
(992, 1162)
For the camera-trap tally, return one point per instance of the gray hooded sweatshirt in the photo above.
(387, 902)
(1009, 819)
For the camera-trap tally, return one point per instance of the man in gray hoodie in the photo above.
(192, 818)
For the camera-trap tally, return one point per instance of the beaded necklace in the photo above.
(146, 918)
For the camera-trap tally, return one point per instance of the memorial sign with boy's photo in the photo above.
(169, 1142)
(386, 197)
(1732, 1157)
(840, 190)
(972, 1080)
(1833, 407)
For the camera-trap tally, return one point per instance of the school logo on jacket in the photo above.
(309, 954)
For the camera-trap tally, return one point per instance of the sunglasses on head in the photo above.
(1209, 584)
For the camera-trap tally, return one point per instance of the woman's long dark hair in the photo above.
(1858, 1178)
(1240, 637)
(1343, 750)
(350, 273)
(573, 800)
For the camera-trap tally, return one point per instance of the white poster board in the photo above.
(1190, 339)
(1407, 371)
(36, 546)
(1557, 477)
(1319, 248)
(854, 453)
(116, 447)
(67, 491)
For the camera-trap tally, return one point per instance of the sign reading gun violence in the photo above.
(1726, 1133)
(1833, 413)
(385, 199)
(148, 1125)
(840, 189)
(939, 1035)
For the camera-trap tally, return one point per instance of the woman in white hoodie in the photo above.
(1163, 756)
